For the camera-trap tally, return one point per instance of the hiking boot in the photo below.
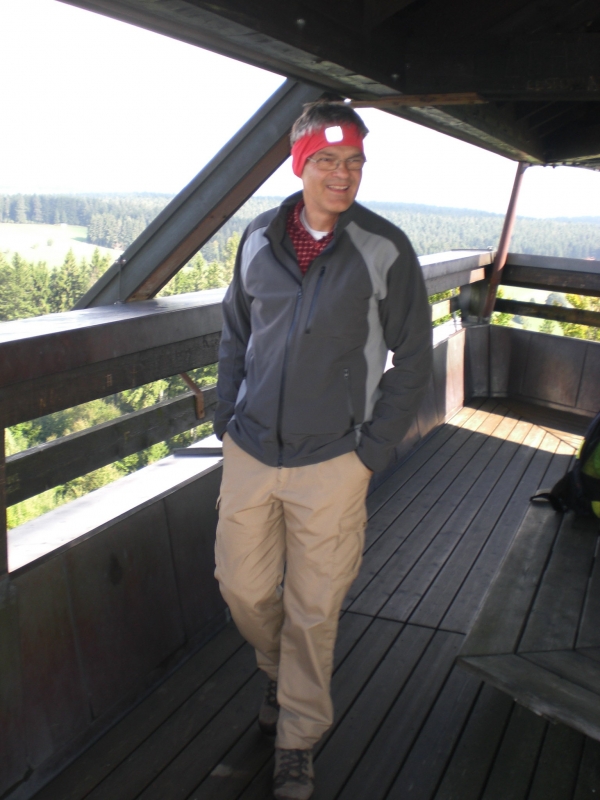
(294, 776)
(269, 710)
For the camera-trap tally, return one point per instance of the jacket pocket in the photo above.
(350, 402)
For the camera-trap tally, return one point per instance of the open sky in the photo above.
(93, 105)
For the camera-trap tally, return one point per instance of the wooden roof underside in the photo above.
(535, 63)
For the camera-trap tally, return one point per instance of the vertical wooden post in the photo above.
(3, 530)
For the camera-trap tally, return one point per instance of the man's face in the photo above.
(331, 192)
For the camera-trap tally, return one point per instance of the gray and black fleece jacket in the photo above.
(302, 358)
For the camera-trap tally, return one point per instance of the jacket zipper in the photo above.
(349, 396)
(284, 375)
(315, 297)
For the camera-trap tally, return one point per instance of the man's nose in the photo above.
(342, 168)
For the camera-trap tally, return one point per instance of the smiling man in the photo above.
(323, 288)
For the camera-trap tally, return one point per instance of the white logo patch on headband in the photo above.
(335, 134)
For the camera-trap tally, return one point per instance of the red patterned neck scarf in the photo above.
(307, 248)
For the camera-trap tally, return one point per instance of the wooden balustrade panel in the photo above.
(33, 471)
(57, 343)
(44, 395)
(542, 311)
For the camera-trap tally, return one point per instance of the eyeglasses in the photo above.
(329, 164)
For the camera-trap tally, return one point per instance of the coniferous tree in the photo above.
(231, 249)
(37, 215)
(17, 296)
(19, 213)
(582, 331)
(98, 265)
(68, 283)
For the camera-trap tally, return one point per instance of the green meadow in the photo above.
(48, 243)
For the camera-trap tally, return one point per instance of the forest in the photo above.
(112, 220)
(29, 288)
(116, 220)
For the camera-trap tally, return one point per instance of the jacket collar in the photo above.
(276, 228)
(276, 232)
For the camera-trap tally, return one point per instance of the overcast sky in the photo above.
(94, 105)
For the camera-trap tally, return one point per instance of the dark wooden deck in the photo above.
(409, 723)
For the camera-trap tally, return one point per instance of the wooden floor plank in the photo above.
(417, 582)
(203, 752)
(427, 760)
(345, 689)
(448, 582)
(234, 772)
(350, 629)
(414, 530)
(590, 652)
(395, 736)
(553, 621)
(253, 752)
(119, 742)
(463, 609)
(588, 780)
(517, 757)
(471, 762)
(344, 747)
(418, 458)
(378, 498)
(158, 750)
(558, 766)
(566, 426)
(419, 479)
(260, 787)
(589, 630)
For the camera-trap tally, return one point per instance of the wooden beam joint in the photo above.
(421, 100)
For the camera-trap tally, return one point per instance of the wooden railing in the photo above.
(58, 361)
(565, 275)
(55, 362)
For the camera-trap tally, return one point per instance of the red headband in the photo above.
(332, 135)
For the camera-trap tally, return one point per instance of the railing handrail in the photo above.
(58, 343)
(584, 265)
(38, 346)
(567, 275)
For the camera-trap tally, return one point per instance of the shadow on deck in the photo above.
(408, 722)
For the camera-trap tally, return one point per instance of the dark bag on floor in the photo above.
(579, 490)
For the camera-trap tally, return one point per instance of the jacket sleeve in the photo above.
(233, 346)
(406, 321)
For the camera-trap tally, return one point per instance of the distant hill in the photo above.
(433, 229)
(114, 221)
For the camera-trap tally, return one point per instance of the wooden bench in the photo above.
(537, 634)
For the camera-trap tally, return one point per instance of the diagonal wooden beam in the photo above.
(211, 198)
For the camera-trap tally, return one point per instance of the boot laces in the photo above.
(293, 764)
(271, 694)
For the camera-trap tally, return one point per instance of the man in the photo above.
(322, 290)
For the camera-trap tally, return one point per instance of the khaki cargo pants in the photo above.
(306, 523)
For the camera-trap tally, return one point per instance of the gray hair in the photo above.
(322, 114)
